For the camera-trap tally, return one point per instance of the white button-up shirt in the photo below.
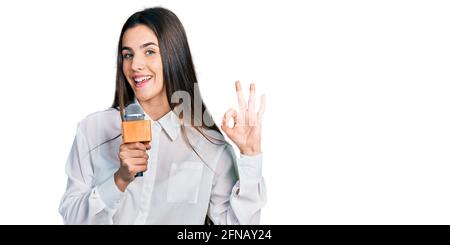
(179, 187)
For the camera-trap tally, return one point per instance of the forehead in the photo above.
(138, 35)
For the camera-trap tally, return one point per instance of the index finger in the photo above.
(136, 146)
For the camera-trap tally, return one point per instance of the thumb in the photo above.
(225, 127)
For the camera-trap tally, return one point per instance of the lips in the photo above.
(141, 80)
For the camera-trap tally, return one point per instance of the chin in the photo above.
(143, 97)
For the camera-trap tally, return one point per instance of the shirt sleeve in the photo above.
(84, 202)
(238, 191)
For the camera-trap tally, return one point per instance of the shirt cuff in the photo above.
(250, 167)
(110, 194)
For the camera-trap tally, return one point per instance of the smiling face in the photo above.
(142, 65)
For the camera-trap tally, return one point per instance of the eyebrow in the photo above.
(142, 46)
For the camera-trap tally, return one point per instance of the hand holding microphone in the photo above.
(136, 135)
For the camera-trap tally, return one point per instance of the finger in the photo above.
(262, 107)
(241, 99)
(228, 131)
(137, 169)
(133, 154)
(135, 146)
(135, 161)
(251, 106)
(225, 129)
(230, 114)
(147, 145)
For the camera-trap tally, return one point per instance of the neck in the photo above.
(156, 108)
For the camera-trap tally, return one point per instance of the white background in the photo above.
(357, 127)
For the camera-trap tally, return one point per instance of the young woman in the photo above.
(191, 174)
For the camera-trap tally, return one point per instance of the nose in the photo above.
(137, 63)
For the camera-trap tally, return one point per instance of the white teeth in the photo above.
(140, 79)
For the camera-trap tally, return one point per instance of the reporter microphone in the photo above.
(135, 128)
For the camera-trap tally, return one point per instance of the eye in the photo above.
(127, 56)
(149, 52)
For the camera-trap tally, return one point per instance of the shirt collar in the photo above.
(170, 122)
